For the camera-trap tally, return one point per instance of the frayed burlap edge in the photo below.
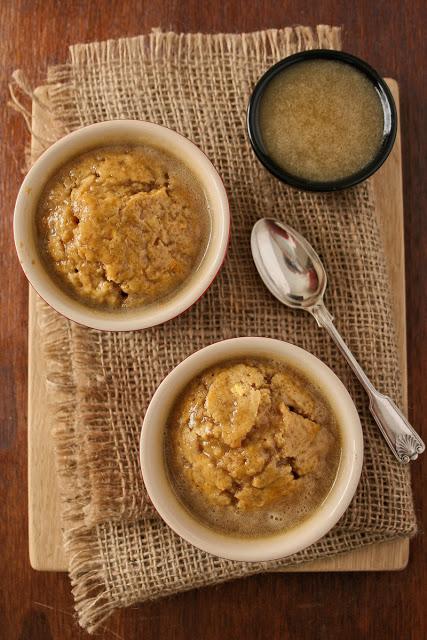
(94, 602)
(62, 86)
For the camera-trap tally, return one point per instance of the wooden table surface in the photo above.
(38, 606)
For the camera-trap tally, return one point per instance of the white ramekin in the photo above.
(278, 545)
(108, 133)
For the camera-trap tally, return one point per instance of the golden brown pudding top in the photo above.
(250, 438)
(123, 226)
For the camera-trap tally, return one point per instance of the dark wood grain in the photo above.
(37, 606)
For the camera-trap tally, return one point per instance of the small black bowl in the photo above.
(389, 110)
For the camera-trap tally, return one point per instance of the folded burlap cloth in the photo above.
(119, 551)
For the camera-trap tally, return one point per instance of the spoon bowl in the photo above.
(287, 264)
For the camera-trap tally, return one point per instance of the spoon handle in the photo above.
(402, 439)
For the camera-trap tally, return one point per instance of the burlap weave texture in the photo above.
(119, 551)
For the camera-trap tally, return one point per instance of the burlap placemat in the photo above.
(119, 551)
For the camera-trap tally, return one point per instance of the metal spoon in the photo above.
(293, 272)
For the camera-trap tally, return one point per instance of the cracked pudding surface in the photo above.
(251, 447)
(122, 226)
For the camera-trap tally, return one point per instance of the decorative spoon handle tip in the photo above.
(400, 436)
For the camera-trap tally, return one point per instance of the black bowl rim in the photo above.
(295, 181)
